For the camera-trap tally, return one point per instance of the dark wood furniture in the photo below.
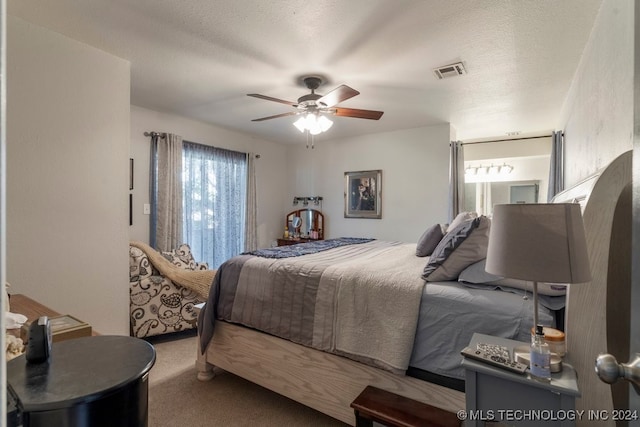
(32, 309)
(390, 409)
(287, 242)
(97, 381)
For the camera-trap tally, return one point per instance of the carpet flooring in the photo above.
(177, 398)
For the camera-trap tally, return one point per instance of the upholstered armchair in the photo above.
(163, 289)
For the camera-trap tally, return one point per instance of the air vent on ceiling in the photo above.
(452, 70)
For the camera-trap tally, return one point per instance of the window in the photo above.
(214, 183)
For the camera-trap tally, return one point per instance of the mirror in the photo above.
(480, 197)
(303, 223)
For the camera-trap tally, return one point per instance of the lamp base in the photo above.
(522, 354)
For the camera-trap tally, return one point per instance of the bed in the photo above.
(324, 357)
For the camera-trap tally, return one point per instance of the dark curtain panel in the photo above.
(556, 168)
(456, 179)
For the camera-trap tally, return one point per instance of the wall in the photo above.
(597, 115)
(67, 170)
(270, 167)
(415, 180)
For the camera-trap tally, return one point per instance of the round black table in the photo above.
(92, 381)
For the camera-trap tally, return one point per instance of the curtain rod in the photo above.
(506, 140)
(152, 133)
(257, 156)
(164, 135)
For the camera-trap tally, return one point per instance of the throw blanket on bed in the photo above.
(306, 248)
(360, 301)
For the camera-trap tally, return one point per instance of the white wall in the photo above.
(270, 167)
(67, 170)
(415, 179)
(598, 112)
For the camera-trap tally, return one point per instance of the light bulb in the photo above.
(300, 124)
(324, 123)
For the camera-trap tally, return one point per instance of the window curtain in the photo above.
(556, 168)
(166, 191)
(251, 223)
(215, 187)
(456, 179)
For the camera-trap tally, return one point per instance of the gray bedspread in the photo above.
(361, 301)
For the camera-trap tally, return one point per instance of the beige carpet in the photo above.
(177, 398)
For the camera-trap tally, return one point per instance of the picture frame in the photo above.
(363, 194)
(63, 327)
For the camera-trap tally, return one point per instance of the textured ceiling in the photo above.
(199, 58)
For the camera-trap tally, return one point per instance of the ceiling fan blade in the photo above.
(358, 114)
(336, 96)
(292, 113)
(268, 98)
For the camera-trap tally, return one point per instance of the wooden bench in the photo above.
(390, 409)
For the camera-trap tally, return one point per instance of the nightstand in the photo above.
(494, 394)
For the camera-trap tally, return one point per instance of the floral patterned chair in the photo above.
(158, 305)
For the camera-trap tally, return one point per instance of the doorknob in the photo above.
(609, 370)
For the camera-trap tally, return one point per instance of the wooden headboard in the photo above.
(598, 312)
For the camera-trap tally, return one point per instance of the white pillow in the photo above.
(475, 274)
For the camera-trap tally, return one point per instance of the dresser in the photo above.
(287, 242)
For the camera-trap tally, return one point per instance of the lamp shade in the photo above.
(538, 242)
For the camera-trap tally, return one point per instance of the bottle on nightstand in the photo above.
(540, 356)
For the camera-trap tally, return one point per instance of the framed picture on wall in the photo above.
(363, 194)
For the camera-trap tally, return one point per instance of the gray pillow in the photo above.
(429, 240)
(462, 246)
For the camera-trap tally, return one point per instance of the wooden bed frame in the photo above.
(329, 383)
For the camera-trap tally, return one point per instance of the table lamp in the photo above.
(538, 243)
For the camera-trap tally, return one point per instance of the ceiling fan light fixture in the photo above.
(314, 124)
(317, 105)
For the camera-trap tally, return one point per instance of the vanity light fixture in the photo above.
(489, 171)
(317, 200)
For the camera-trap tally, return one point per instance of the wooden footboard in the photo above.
(322, 381)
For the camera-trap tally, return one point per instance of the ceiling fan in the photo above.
(316, 104)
